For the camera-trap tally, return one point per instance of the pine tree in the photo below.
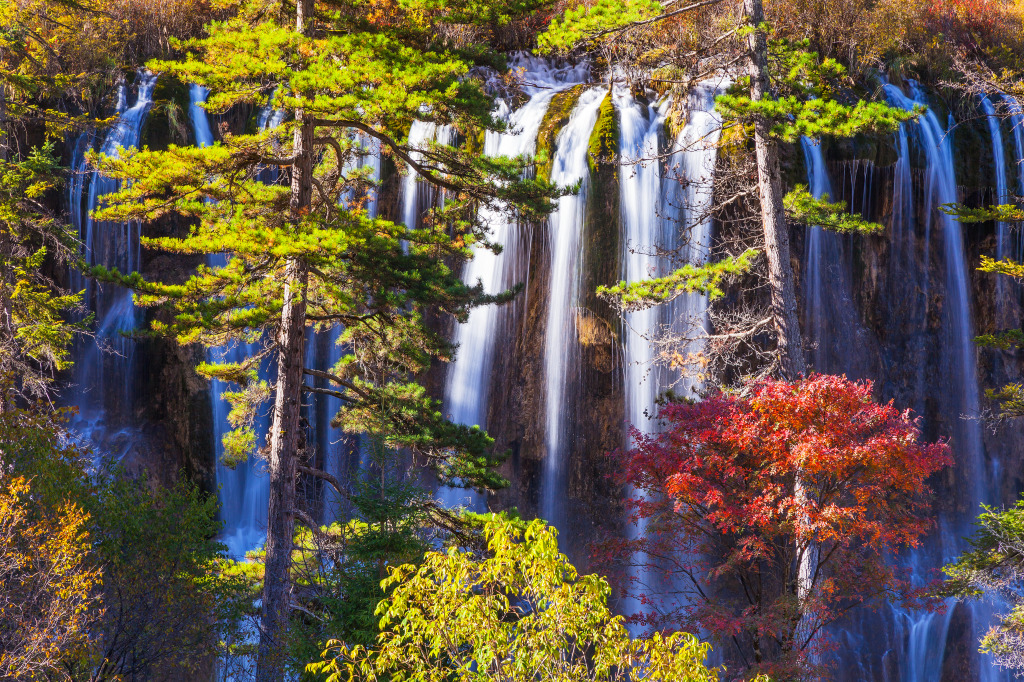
(300, 259)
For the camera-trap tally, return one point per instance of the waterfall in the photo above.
(414, 202)
(667, 215)
(103, 370)
(1017, 124)
(1006, 308)
(829, 316)
(958, 343)
(468, 381)
(922, 636)
(242, 490)
(999, 160)
(324, 351)
(197, 95)
(565, 227)
(640, 193)
(686, 204)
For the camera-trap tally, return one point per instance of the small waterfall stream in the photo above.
(686, 204)
(640, 195)
(414, 201)
(565, 229)
(1005, 306)
(103, 381)
(830, 319)
(242, 488)
(340, 454)
(677, 230)
(1017, 124)
(922, 636)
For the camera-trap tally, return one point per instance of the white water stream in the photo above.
(469, 377)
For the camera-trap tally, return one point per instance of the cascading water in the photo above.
(1017, 124)
(958, 342)
(685, 206)
(468, 380)
(921, 636)
(337, 450)
(1005, 307)
(829, 317)
(242, 489)
(565, 228)
(415, 202)
(680, 225)
(640, 188)
(103, 370)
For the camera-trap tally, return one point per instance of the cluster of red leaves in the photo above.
(724, 524)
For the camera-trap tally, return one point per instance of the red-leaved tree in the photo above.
(727, 543)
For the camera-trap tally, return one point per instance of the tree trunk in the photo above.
(773, 214)
(6, 248)
(780, 282)
(285, 430)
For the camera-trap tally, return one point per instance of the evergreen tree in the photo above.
(994, 567)
(301, 260)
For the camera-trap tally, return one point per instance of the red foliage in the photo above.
(723, 523)
(972, 22)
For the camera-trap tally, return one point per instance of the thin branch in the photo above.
(324, 476)
(397, 149)
(660, 17)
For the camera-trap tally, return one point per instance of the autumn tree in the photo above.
(46, 583)
(161, 597)
(35, 331)
(726, 530)
(302, 261)
(518, 612)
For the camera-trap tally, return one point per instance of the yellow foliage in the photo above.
(46, 583)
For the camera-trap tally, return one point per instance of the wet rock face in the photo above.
(594, 396)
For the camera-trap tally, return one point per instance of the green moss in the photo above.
(604, 138)
(602, 254)
(554, 120)
(167, 122)
(472, 140)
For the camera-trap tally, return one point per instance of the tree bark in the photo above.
(780, 282)
(285, 431)
(773, 214)
(6, 314)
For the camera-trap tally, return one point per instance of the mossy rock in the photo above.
(735, 141)
(602, 252)
(167, 122)
(604, 138)
(472, 140)
(555, 118)
(973, 157)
